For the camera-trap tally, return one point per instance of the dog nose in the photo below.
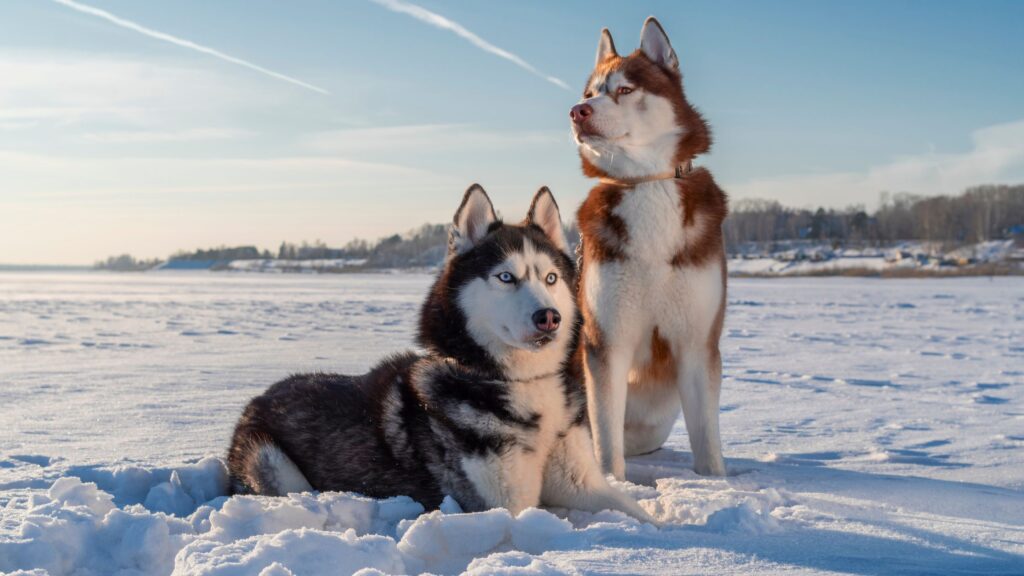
(580, 112)
(547, 319)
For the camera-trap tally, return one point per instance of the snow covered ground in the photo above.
(870, 427)
(808, 259)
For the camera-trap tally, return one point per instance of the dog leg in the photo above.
(700, 381)
(511, 481)
(572, 479)
(606, 373)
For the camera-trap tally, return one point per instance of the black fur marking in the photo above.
(463, 388)
(442, 327)
(404, 427)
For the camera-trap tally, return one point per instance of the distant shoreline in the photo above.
(44, 268)
(897, 273)
(982, 270)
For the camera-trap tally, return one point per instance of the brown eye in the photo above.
(624, 90)
(588, 94)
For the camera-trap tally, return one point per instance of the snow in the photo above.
(315, 265)
(870, 427)
(822, 259)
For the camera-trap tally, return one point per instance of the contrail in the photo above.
(436, 20)
(92, 11)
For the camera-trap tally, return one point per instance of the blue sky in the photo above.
(112, 140)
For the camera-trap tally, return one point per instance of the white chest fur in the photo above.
(513, 478)
(653, 215)
(545, 397)
(630, 296)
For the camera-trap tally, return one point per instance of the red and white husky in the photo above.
(652, 286)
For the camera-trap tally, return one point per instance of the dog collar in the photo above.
(679, 172)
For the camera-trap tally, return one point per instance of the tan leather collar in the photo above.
(680, 171)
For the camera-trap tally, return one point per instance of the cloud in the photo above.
(420, 139)
(56, 89)
(996, 156)
(438, 21)
(35, 178)
(146, 136)
(128, 24)
(52, 101)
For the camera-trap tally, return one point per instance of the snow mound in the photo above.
(514, 564)
(746, 518)
(186, 525)
(290, 552)
(75, 528)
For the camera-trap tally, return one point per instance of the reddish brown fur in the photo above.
(662, 367)
(716, 333)
(664, 82)
(700, 195)
(604, 234)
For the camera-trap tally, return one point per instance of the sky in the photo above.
(149, 127)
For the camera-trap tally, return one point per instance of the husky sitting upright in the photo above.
(490, 414)
(652, 283)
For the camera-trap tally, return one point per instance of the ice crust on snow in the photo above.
(869, 427)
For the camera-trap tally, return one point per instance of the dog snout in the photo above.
(580, 112)
(547, 319)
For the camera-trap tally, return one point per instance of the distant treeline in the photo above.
(980, 213)
(421, 247)
(424, 246)
(222, 253)
(126, 263)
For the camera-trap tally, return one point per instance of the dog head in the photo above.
(506, 289)
(634, 119)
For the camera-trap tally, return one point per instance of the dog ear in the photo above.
(605, 47)
(654, 43)
(472, 219)
(544, 213)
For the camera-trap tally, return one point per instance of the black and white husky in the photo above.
(493, 412)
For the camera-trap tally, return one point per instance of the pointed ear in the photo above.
(654, 43)
(605, 47)
(474, 216)
(544, 213)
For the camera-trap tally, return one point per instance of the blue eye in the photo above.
(506, 277)
(552, 278)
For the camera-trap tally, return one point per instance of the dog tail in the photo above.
(257, 465)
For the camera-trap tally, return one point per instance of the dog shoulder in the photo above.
(705, 206)
(703, 196)
(475, 406)
(604, 232)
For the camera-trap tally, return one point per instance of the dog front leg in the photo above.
(606, 371)
(700, 382)
(573, 479)
(511, 480)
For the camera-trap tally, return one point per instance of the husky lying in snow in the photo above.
(652, 283)
(491, 414)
